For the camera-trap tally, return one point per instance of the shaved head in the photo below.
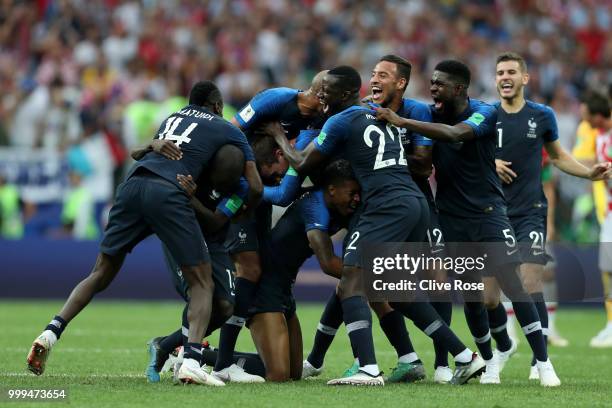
(317, 81)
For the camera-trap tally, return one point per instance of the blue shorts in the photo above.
(147, 204)
(531, 234)
(494, 230)
(404, 220)
(249, 234)
(223, 274)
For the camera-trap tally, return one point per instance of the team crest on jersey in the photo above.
(247, 113)
(532, 128)
(242, 235)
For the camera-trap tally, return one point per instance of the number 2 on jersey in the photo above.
(380, 163)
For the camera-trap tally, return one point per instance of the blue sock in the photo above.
(478, 322)
(358, 321)
(194, 351)
(57, 326)
(497, 322)
(527, 315)
(245, 292)
(394, 327)
(331, 319)
(540, 304)
(445, 311)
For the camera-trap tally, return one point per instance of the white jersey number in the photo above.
(380, 163)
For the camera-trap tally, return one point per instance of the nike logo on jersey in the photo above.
(511, 252)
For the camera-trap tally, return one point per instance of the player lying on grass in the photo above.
(213, 213)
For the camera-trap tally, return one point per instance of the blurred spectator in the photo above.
(11, 224)
(78, 211)
(129, 63)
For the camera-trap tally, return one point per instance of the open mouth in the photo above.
(377, 94)
(438, 104)
(506, 87)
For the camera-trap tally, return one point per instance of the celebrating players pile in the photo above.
(198, 186)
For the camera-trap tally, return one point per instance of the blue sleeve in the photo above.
(552, 130)
(232, 204)
(314, 212)
(482, 120)
(421, 112)
(265, 105)
(289, 188)
(237, 138)
(333, 134)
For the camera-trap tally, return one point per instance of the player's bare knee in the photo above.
(223, 308)
(247, 265)
(277, 374)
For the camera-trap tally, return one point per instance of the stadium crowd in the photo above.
(85, 81)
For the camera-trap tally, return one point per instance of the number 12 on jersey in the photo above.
(380, 163)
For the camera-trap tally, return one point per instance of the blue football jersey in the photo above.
(275, 104)
(374, 150)
(199, 134)
(520, 138)
(468, 185)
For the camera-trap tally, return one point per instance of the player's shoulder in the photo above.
(349, 114)
(413, 104)
(477, 106)
(416, 109)
(277, 94)
(540, 108)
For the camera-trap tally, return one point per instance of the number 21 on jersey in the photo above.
(381, 163)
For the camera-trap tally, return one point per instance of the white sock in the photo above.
(50, 337)
(408, 358)
(609, 326)
(356, 360)
(371, 369)
(464, 357)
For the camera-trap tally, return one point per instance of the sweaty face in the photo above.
(331, 95)
(272, 174)
(443, 91)
(345, 197)
(385, 83)
(510, 79)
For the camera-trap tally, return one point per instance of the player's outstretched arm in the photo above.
(565, 162)
(437, 131)
(322, 246)
(167, 148)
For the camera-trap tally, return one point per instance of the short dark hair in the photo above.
(597, 104)
(338, 172)
(350, 80)
(403, 66)
(205, 93)
(229, 161)
(456, 69)
(512, 56)
(263, 149)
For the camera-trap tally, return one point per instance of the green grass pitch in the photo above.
(101, 358)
